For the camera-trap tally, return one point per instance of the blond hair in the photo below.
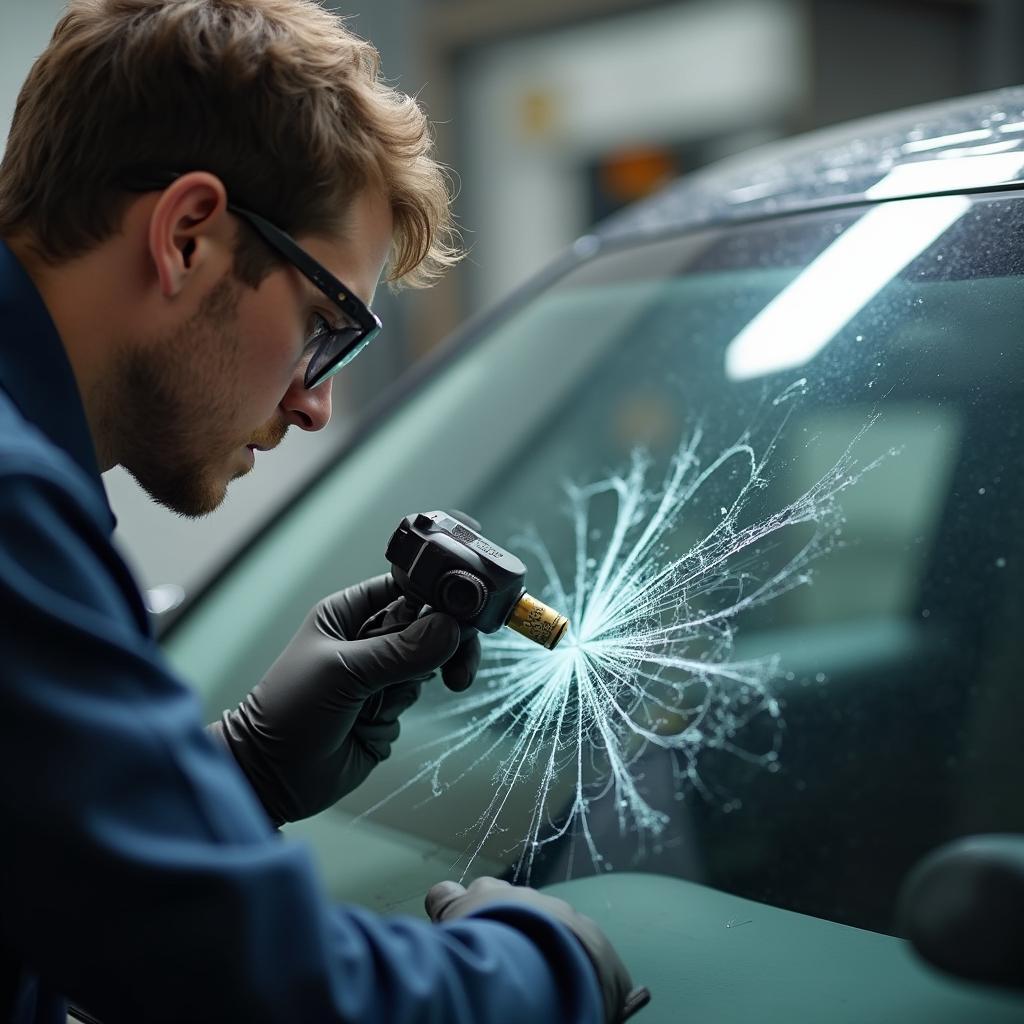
(276, 97)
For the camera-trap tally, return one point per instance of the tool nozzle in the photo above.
(537, 622)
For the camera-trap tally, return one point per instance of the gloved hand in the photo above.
(448, 901)
(327, 710)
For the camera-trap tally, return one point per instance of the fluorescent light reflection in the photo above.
(804, 317)
(959, 169)
(944, 141)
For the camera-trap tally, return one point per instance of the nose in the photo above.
(308, 409)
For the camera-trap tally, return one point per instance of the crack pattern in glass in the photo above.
(649, 657)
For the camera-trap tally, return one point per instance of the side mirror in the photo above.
(962, 908)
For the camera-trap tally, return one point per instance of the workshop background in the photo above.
(551, 116)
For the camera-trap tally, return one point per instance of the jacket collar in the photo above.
(35, 370)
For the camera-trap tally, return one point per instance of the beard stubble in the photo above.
(173, 397)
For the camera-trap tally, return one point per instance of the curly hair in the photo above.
(276, 97)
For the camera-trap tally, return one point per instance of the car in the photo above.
(759, 438)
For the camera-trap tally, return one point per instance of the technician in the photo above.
(155, 315)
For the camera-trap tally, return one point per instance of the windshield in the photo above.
(771, 473)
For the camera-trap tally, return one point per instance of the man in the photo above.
(154, 315)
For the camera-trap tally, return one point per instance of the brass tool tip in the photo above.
(537, 622)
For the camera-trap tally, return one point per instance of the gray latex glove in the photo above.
(327, 711)
(448, 901)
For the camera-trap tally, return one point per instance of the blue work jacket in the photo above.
(139, 875)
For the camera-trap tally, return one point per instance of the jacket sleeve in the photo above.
(139, 875)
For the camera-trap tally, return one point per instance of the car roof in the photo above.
(970, 144)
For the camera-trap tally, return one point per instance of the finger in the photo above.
(489, 882)
(616, 984)
(466, 520)
(382, 661)
(387, 705)
(376, 738)
(394, 701)
(460, 670)
(440, 897)
(347, 610)
(390, 619)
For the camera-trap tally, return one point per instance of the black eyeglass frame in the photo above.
(338, 293)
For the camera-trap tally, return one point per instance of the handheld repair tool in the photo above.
(440, 561)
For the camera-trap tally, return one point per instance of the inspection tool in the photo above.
(440, 561)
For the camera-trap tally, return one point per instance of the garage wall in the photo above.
(25, 28)
(537, 111)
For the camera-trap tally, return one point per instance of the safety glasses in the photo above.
(332, 347)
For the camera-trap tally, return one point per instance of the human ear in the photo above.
(188, 228)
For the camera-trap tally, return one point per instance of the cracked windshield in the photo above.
(784, 533)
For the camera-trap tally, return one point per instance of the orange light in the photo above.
(634, 173)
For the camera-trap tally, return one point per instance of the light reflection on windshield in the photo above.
(808, 313)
